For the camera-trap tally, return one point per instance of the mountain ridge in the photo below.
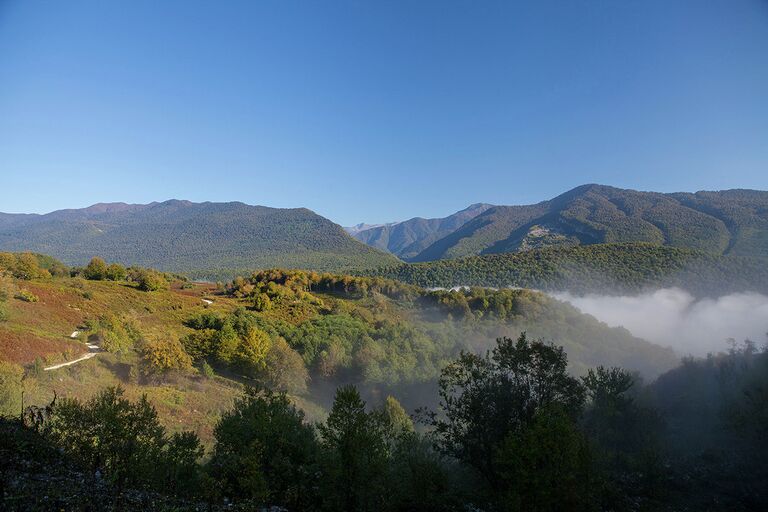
(180, 235)
(723, 222)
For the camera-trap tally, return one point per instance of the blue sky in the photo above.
(377, 111)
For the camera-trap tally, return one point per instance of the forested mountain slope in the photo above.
(727, 222)
(184, 236)
(599, 268)
(408, 238)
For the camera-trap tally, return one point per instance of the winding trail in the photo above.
(93, 351)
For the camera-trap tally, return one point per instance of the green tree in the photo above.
(252, 352)
(266, 453)
(519, 378)
(227, 343)
(96, 270)
(356, 451)
(394, 414)
(284, 368)
(123, 439)
(545, 466)
(116, 272)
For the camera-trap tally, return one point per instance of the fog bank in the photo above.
(673, 317)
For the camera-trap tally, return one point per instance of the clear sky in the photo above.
(377, 110)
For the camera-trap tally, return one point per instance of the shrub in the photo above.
(150, 280)
(252, 352)
(27, 296)
(207, 370)
(162, 356)
(3, 313)
(116, 272)
(200, 344)
(96, 270)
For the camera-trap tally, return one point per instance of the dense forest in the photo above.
(599, 268)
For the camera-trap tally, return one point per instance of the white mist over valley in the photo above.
(675, 318)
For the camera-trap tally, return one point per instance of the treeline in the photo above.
(28, 266)
(513, 431)
(602, 268)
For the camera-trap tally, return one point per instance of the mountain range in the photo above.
(730, 222)
(219, 240)
(181, 236)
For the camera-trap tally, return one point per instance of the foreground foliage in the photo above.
(513, 431)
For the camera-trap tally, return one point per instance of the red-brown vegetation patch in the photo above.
(24, 348)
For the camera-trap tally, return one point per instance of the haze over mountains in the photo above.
(733, 222)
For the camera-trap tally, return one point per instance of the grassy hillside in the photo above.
(213, 239)
(732, 222)
(301, 332)
(597, 268)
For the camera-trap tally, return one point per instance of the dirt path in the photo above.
(93, 351)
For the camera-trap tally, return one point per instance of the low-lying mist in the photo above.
(675, 318)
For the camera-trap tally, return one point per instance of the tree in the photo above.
(96, 270)
(545, 466)
(200, 345)
(266, 453)
(163, 355)
(252, 352)
(399, 421)
(123, 439)
(284, 368)
(149, 280)
(116, 272)
(487, 399)
(356, 449)
(227, 343)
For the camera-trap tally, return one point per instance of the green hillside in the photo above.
(600, 268)
(408, 238)
(732, 222)
(213, 239)
(301, 332)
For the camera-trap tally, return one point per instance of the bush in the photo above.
(149, 280)
(27, 296)
(3, 313)
(96, 270)
(116, 272)
(207, 370)
(162, 356)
